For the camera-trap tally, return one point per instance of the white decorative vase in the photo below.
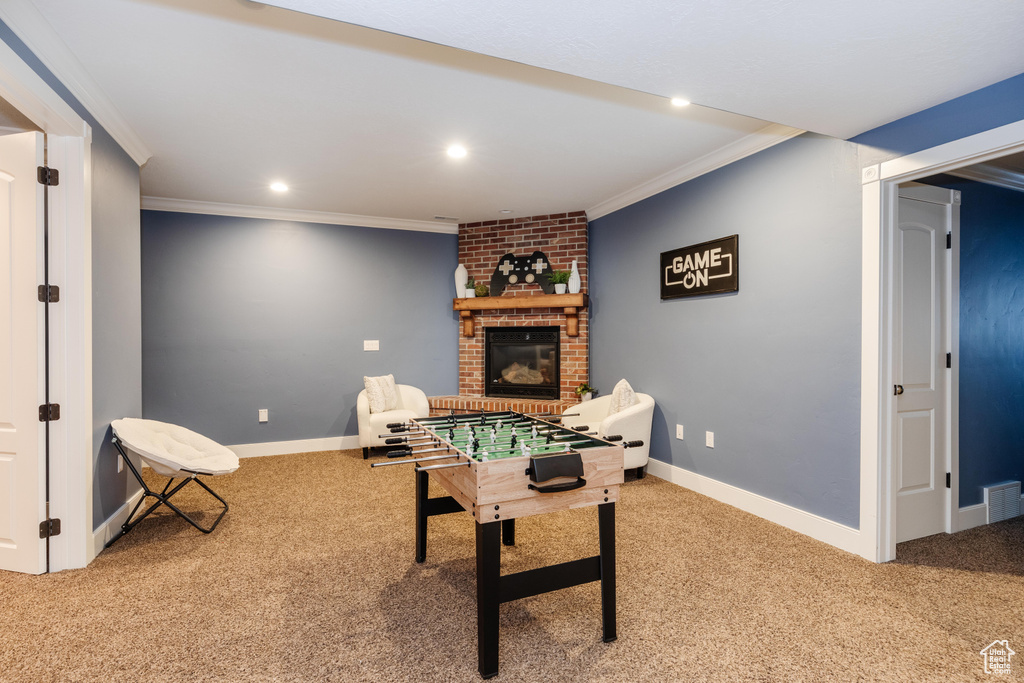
(574, 279)
(470, 293)
(560, 288)
(587, 396)
(460, 281)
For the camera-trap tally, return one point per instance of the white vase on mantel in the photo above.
(574, 279)
(461, 276)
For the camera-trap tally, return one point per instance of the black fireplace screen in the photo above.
(521, 362)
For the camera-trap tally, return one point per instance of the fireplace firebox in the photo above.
(522, 362)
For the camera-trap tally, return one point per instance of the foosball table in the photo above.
(498, 467)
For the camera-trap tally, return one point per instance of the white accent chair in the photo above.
(633, 423)
(412, 403)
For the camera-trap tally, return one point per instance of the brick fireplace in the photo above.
(562, 237)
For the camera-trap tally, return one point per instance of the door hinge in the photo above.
(49, 293)
(949, 360)
(949, 480)
(949, 240)
(48, 176)
(50, 527)
(49, 412)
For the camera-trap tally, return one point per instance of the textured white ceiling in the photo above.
(838, 67)
(229, 96)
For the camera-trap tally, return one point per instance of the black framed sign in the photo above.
(705, 268)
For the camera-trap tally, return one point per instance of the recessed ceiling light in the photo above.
(505, 211)
(680, 102)
(456, 151)
(278, 186)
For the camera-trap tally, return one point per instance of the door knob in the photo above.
(898, 389)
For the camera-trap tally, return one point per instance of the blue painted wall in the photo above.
(242, 314)
(991, 335)
(981, 110)
(773, 370)
(116, 292)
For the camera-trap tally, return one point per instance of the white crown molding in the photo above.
(303, 216)
(769, 136)
(992, 175)
(28, 93)
(25, 20)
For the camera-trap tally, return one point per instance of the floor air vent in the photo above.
(1003, 501)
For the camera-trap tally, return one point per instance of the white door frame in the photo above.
(879, 204)
(69, 140)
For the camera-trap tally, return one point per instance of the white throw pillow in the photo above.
(623, 397)
(381, 393)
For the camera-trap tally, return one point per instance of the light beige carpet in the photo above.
(310, 577)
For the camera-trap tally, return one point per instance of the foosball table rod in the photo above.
(416, 460)
(444, 467)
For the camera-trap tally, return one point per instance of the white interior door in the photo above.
(920, 335)
(22, 504)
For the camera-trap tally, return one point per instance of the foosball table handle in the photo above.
(400, 453)
(633, 444)
(395, 439)
(613, 437)
(392, 425)
(556, 488)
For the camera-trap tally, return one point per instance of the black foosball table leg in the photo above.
(488, 600)
(422, 481)
(606, 534)
(508, 531)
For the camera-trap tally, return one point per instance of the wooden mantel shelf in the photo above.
(571, 303)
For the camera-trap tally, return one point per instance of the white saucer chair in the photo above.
(172, 451)
(623, 412)
(374, 417)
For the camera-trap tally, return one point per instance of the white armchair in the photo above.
(633, 423)
(412, 403)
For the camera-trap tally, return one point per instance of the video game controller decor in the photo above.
(514, 270)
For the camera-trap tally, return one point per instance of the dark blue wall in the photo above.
(116, 298)
(241, 314)
(773, 370)
(981, 110)
(991, 335)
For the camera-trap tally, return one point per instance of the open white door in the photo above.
(921, 429)
(22, 467)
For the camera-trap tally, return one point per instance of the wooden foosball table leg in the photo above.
(488, 579)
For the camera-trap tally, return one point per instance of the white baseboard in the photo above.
(330, 443)
(976, 515)
(825, 530)
(112, 526)
(972, 516)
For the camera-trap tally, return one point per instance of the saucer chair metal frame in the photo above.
(163, 498)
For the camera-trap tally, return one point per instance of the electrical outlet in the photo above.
(371, 345)
(120, 463)
(264, 415)
(709, 439)
(679, 432)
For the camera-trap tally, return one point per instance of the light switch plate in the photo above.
(264, 415)
(709, 439)
(679, 432)
(371, 345)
